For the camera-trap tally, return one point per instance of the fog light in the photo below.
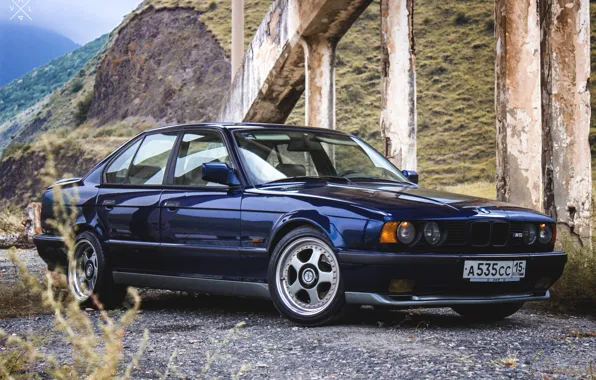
(401, 286)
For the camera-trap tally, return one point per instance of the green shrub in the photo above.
(461, 19)
(77, 85)
(83, 108)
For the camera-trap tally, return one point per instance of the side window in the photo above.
(118, 169)
(149, 165)
(196, 149)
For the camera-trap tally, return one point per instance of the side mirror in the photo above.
(218, 172)
(411, 175)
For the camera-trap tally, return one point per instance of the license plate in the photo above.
(494, 271)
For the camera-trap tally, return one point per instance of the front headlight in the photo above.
(545, 234)
(432, 233)
(530, 234)
(406, 233)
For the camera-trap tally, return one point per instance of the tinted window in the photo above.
(197, 149)
(149, 165)
(118, 169)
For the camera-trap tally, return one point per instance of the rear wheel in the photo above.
(91, 276)
(304, 278)
(492, 312)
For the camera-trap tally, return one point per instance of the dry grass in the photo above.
(483, 189)
(11, 218)
(19, 300)
(97, 355)
(510, 360)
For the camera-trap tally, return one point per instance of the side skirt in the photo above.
(190, 284)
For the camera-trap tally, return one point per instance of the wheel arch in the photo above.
(312, 219)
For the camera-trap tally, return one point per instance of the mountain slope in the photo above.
(23, 48)
(164, 64)
(27, 90)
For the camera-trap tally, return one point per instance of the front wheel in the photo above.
(305, 282)
(492, 312)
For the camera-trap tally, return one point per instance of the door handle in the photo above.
(171, 205)
(109, 204)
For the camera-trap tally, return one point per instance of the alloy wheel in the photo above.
(83, 278)
(307, 276)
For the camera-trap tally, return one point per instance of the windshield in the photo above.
(275, 155)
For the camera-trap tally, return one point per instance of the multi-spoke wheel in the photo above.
(89, 274)
(83, 277)
(304, 277)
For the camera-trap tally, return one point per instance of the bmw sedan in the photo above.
(312, 219)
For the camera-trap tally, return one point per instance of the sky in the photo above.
(80, 20)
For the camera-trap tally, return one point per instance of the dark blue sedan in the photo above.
(312, 219)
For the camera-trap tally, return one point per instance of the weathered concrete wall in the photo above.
(271, 79)
(518, 103)
(237, 34)
(566, 113)
(398, 82)
(320, 82)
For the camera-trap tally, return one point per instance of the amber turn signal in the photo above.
(388, 233)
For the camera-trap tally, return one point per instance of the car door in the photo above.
(200, 221)
(128, 203)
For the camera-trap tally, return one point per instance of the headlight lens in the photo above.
(406, 233)
(530, 234)
(545, 235)
(432, 233)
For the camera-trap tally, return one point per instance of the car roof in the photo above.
(239, 126)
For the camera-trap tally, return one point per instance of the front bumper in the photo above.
(437, 279)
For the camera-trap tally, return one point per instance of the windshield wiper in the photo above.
(374, 179)
(310, 178)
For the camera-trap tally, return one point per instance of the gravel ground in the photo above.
(369, 344)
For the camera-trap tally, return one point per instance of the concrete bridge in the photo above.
(542, 99)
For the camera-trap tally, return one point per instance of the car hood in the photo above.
(407, 200)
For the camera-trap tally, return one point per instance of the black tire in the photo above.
(334, 306)
(107, 292)
(488, 313)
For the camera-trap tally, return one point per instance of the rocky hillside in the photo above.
(161, 64)
(165, 64)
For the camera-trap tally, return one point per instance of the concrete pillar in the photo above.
(320, 81)
(398, 82)
(518, 103)
(566, 113)
(237, 35)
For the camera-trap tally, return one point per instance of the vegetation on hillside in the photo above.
(27, 90)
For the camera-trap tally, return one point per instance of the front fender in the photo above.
(343, 232)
